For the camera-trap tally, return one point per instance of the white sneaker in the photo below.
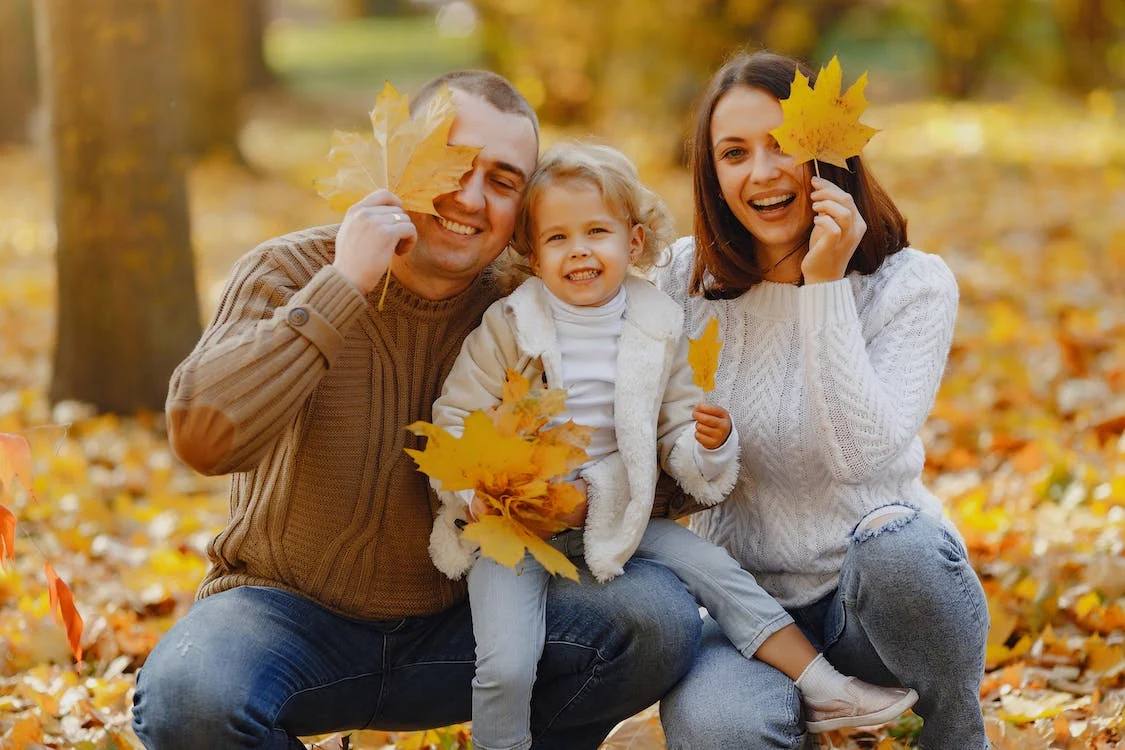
(866, 705)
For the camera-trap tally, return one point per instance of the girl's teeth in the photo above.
(582, 275)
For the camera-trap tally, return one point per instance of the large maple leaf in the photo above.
(411, 157)
(819, 123)
(513, 462)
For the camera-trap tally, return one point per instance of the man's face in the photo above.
(477, 221)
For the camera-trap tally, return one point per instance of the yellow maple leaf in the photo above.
(411, 157)
(703, 355)
(513, 462)
(819, 123)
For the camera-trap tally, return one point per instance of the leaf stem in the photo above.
(386, 283)
(816, 166)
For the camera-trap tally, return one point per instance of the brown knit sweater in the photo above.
(302, 390)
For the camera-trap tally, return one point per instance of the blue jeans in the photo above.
(508, 610)
(909, 610)
(255, 667)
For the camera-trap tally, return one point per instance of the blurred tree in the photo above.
(17, 70)
(966, 37)
(216, 50)
(608, 65)
(365, 8)
(1093, 42)
(127, 306)
(258, 73)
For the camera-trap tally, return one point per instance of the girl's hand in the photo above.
(837, 230)
(712, 425)
(576, 519)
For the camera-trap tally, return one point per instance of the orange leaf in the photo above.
(409, 156)
(7, 535)
(819, 123)
(703, 355)
(15, 461)
(62, 605)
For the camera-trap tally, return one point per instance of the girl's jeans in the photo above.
(508, 609)
(255, 667)
(909, 610)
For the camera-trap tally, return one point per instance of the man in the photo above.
(321, 610)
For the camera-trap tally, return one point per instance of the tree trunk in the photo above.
(127, 306)
(17, 70)
(216, 34)
(258, 74)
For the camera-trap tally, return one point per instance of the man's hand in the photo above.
(374, 229)
(712, 425)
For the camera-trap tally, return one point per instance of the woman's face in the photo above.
(760, 184)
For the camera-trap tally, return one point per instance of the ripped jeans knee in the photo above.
(885, 518)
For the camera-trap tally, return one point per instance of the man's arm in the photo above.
(271, 341)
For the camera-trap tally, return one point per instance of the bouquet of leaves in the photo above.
(514, 463)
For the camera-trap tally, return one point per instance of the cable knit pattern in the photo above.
(828, 386)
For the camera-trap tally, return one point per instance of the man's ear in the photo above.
(636, 242)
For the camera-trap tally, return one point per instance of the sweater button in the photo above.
(298, 316)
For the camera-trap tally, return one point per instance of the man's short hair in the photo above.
(493, 88)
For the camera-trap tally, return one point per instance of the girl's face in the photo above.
(760, 184)
(582, 249)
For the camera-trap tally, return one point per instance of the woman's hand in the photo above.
(837, 230)
(712, 425)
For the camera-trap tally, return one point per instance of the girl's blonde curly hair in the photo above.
(611, 172)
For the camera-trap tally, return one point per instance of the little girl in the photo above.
(586, 323)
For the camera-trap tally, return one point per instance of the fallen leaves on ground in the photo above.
(1025, 442)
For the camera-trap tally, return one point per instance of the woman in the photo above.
(835, 338)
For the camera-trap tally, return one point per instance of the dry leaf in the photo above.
(821, 124)
(15, 462)
(703, 355)
(7, 535)
(513, 461)
(409, 157)
(62, 605)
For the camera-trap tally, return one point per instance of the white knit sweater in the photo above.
(828, 385)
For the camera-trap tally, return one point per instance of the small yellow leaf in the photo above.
(411, 157)
(819, 123)
(703, 355)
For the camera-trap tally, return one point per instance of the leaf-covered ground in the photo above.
(1027, 203)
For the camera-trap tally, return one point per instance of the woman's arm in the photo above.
(871, 391)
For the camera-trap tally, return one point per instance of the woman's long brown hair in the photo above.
(725, 264)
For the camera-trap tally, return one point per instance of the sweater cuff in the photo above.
(826, 304)
(712, 463)
(323, 309)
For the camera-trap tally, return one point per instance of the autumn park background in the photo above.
(146, 144)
